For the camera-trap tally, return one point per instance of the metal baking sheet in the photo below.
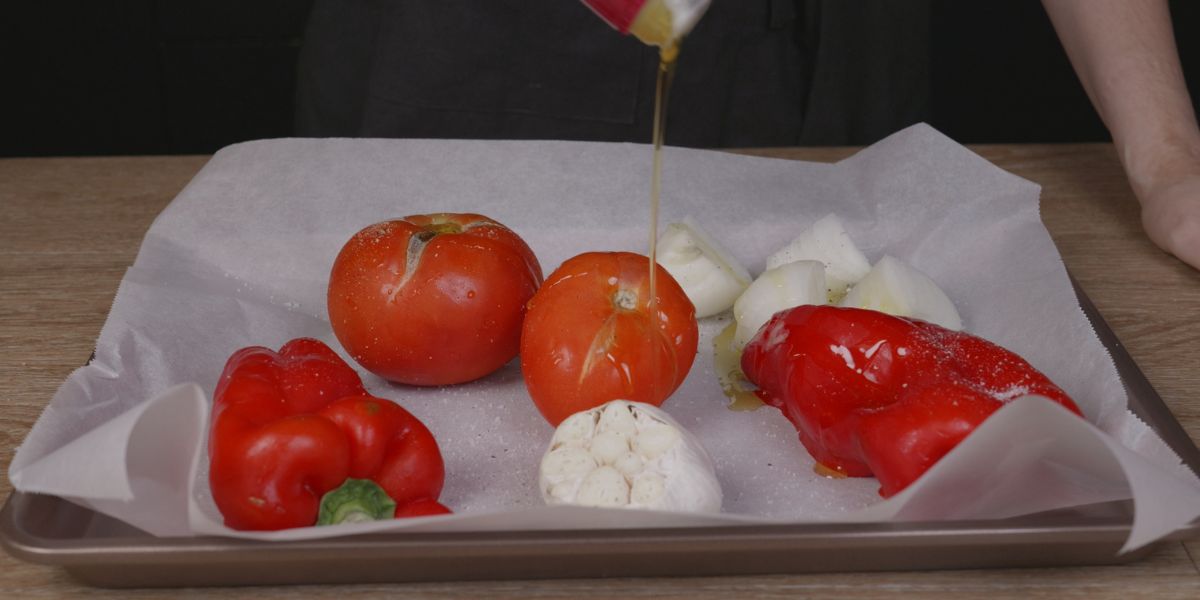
(104, 552)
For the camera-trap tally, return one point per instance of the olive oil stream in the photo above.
(662, 88)
(726, 358)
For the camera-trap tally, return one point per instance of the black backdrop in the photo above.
(94, 77)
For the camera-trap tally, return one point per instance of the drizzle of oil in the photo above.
(666, 72)
(728, 363)
(662, 89)
(829, 472)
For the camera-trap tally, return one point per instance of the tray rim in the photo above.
(1038, 540)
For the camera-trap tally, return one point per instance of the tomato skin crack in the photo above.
(412, 259)
(601, 342)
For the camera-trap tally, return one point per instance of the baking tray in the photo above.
(102, 551)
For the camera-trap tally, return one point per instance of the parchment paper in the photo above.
(242, 255)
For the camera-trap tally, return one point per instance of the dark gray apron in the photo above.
(752, 73)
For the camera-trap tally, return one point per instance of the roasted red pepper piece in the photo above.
(289, 427)
(873, 394)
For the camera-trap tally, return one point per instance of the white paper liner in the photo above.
(242, 255)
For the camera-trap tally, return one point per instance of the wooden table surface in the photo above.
(69, 227)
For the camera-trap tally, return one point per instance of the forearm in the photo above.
(1124, 53)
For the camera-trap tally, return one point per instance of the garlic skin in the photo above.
(826, 241)
(710, 276)
(786, 286)
(894, 287)
(628, 455)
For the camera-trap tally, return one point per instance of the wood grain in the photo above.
(69, 227)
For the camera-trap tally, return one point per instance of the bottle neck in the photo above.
(654, 25)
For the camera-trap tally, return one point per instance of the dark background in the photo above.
(89, 77)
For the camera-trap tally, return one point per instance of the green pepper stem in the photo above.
(356, 501)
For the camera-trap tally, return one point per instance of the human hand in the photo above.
(1171, 217)
(1125, 56)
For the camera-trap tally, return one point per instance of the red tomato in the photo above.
(432, 299)
(589, 336)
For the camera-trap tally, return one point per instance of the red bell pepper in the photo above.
(295, 439)
(873, 394)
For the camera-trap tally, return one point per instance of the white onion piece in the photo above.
(710, 276)
(826, 241)
(894, 287)
(786, 286)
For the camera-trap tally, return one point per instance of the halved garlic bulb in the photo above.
(628, 455)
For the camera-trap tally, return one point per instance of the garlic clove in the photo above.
(618, 419)
(568, 461)
(629, 464)
(607, 447)
(603, 487)
(648, 488)
(655, 441)
(563, 491)
(575, 430)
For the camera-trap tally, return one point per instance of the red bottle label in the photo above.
(618, 13)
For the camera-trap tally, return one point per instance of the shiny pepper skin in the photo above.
(289, 426)
(873, 394)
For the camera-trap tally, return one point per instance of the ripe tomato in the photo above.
(432, 299)
(589, 336)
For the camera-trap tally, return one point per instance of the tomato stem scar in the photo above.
(625, 299)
